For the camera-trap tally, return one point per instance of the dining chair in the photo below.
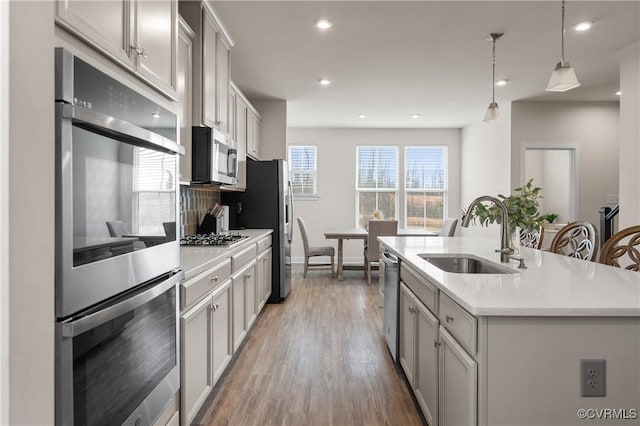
(117, 228)
(310, 252)
(576, 239)
(533, 238)
(377, 228)
(623, 248)
(449, 227)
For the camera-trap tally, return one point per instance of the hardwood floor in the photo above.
(318, 359)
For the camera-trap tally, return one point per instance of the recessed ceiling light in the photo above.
(155, 115)
(582, 26)
(363, 116)
(323, 24)
(415, 115)
(324, 81)
(502, 82)
(618, 93)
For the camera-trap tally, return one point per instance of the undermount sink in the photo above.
(465, 264)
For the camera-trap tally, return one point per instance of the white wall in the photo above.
(629, 136)
(336, 207)
(4, 213)
(486, 164)
(31, 207)
(593, 127)
(273, 128)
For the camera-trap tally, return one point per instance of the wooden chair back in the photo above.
(577, 239)
(379, 228)
(622, 250)
(449, 227)
(533, 238)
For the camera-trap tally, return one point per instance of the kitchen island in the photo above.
(510, 349)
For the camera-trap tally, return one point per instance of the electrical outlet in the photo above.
(593, 377)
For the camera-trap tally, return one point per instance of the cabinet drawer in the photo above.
(426, 292)
(460, 323)
(240, 259)
(264, 244)
(191, 291)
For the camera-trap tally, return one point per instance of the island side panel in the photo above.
(533, 368)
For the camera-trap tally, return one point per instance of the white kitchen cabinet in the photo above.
(250, 312)
(239, 329)
(211, 65)
(237, 120)
(263, 281)
(139, 35)
(458, 383)
(426, 368)
(196, 373)
(407, 330)
(184, 94)
(253, 133)
(267, 276)
(222, 347)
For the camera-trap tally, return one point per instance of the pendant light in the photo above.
(493, 112)
(563, 78)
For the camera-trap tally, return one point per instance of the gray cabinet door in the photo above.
(183, 92)
(239, 329)
(104, 24)
(221, 330)
(222, 88)
(458, 384)
(426, 371)
(197, 377)
(209, 47)
(407, 328)
(250, 296)
(156, 31)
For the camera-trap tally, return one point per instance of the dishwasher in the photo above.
(389, 272)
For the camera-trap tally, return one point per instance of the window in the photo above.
(376, 182)
(154, 190)
(425, 170)
(303, 165)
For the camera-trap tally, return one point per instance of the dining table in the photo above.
(342, 234)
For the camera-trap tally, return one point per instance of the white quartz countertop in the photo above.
(197, 259)
(552, 285)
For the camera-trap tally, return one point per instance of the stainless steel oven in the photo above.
(116, 187)
(117, 250)
(118, 363)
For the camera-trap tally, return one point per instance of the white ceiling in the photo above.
(389, 59)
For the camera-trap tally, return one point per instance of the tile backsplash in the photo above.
(194, 204)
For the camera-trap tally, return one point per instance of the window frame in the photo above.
(313, 173)
(395, 190)
(444, 190)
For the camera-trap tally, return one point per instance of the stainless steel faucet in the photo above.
(505, 251)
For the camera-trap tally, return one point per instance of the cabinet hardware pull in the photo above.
(449, 319)
(436, 343)
(214, 279)
(219, 123)
(248, 276)
(140, 51)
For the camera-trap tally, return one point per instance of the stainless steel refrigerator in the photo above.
(267, 203)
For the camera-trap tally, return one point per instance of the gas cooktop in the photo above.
(225, 240)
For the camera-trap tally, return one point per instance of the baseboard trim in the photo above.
(347, 260)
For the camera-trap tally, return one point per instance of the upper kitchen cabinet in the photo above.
(140, 35)
(184, 94)
(253, 133)
(211, 47)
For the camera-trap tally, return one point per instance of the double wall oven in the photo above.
(117, 250)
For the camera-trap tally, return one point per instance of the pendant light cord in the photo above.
(562, 35)
(493, 85)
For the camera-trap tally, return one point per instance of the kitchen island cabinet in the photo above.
(509, 346)
(220, 298)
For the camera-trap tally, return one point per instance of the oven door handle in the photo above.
(113, 126)
(75, 327)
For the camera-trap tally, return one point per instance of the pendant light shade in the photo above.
(563, 77)
(493, 112)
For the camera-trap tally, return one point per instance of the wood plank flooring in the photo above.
(318, 359)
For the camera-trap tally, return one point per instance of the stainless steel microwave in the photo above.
(214, 157)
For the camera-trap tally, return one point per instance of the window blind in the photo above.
(154, 170)
(377, 167)
(303, 165)
(426, 167)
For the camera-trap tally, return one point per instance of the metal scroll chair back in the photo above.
(533, 238)
(622, 250)
(377, 228)
(577, 239)
(449, 227)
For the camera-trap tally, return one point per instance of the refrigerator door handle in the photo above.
(290, 211)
